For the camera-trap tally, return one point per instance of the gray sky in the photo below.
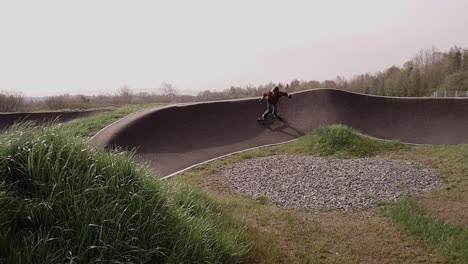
(54, 47)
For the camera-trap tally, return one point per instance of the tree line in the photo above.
(428, 71)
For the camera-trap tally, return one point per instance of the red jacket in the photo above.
(273, 98)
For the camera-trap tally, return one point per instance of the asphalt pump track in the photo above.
(176, 137)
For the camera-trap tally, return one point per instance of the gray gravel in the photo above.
(311, 182)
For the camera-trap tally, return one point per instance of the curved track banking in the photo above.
(8, 119)
(176, 137)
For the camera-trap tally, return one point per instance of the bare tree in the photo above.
(169, 91)
(341, 82)
(58, 102)
(11, 101)
(465, 60)
(84, 99)
(329, 84)
(125, 95)
(295, 85)
(455, 59)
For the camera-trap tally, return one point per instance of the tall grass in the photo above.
(62, 202)
(449, 239)
(343, 142)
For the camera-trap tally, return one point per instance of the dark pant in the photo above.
(270, 108)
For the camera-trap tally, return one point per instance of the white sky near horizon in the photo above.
(56, 47)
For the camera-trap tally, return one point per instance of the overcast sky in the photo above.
(55, 47)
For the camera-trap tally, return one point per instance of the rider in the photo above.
(272, 100)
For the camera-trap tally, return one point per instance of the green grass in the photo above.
(343, 142)
(336, 141)
(62, 202)
(89, 126)
(449, 239)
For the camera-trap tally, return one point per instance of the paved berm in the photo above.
(175, 137)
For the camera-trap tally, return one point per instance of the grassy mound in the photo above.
(62, 202)
(89, 126)
(343, 142)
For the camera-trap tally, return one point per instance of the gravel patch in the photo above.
(312, 182)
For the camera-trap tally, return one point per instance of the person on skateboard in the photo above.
(272, 100)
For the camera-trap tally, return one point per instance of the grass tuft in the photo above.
(62, 202)
(343, 142)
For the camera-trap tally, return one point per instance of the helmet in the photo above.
(275, 89)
